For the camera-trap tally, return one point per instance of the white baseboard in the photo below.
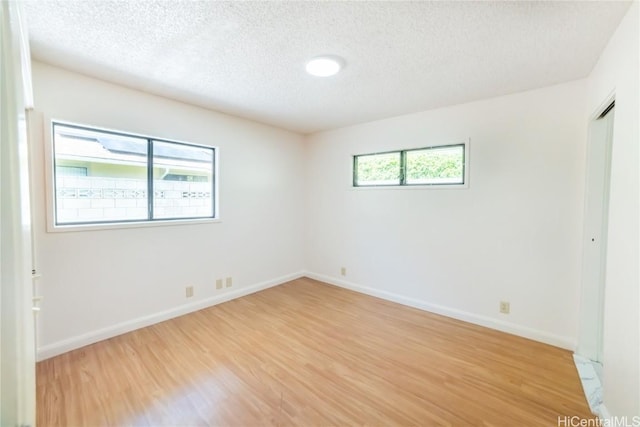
(73, 343)
(511, 328)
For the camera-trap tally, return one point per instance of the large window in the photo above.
(111, 177)
(431, 166)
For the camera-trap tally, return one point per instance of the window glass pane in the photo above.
(182, 181)
(99, 176)
(71, 170)
(442, 165)
(378, 169)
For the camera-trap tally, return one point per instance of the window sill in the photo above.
(119, 225)
(410, 187)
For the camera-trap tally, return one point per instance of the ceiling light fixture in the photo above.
(324, 66)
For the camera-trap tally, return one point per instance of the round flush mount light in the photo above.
(324, 66)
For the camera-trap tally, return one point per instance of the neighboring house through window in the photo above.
(105, 176)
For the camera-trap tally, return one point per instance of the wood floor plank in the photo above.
(307, 353)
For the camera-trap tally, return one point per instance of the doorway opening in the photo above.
(588, 355)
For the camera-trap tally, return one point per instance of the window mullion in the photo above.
(403, 168)
(213, 184)
(150, 179)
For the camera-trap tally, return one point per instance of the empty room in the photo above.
(319, 213)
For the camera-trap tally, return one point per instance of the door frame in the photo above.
(17, 349)
(600, 143)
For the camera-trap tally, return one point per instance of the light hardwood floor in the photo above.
(307, 353)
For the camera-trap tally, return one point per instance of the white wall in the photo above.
(99, 283)
(513, 235)
(617, 71)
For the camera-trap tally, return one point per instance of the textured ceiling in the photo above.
(247, 58)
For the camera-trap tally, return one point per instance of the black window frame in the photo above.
(150, 179)
(403, 168)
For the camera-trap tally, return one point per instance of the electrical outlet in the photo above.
(505, 307)
(343, 271)
(229, 282)
(218, 283)
(189, 291)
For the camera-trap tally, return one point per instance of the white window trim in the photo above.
(420, 187)
(50, 200)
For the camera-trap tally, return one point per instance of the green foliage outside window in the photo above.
(438, 165)
(435, 164)
(379, 168)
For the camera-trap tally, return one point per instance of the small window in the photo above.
(110, 177)
(430, 166)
